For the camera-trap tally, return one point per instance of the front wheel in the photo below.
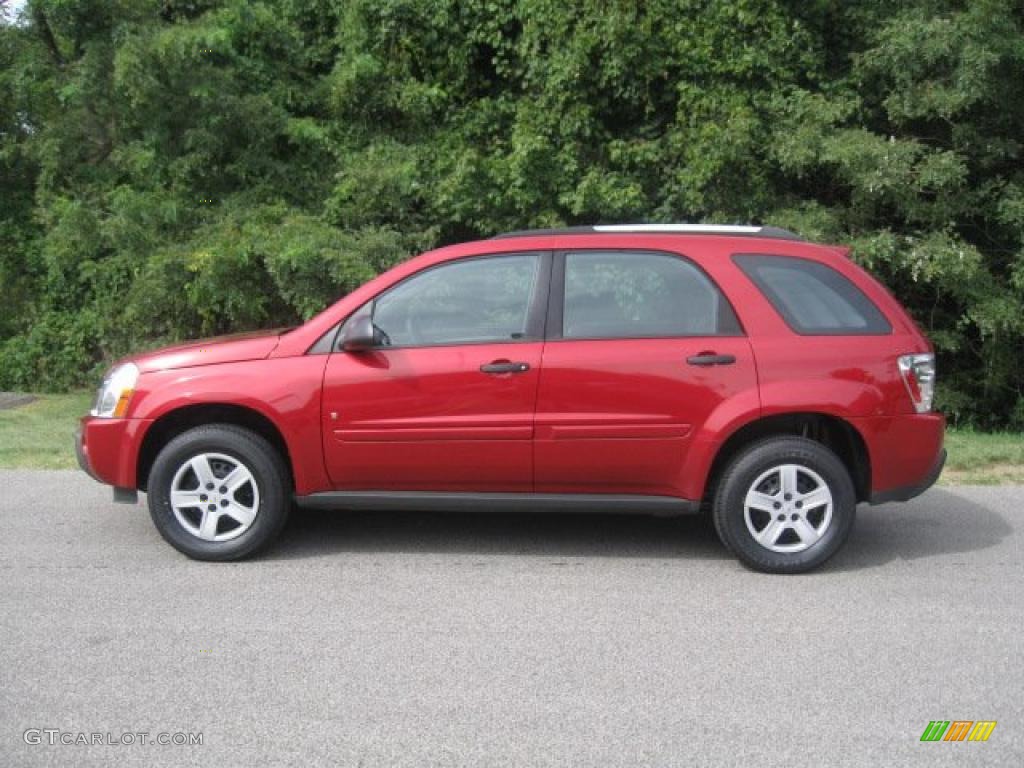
(785, 505)
(218, 492)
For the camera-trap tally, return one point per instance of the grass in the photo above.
(983, 458)
(39, 436)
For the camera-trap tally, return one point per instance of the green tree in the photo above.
(172, 168)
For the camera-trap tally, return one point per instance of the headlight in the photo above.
(115, 392)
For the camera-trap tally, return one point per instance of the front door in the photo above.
(641, 351)
(445, 401)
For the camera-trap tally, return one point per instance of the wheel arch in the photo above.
(179, 420)
(834, 432)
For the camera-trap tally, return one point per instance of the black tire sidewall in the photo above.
(247, 447)
(759, 458)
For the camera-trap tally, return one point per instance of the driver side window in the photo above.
(474, 301)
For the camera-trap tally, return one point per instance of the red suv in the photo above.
(632, 368)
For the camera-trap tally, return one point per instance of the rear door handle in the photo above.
(505, 366)
(710, 358)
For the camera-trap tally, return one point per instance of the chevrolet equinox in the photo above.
(659, 369)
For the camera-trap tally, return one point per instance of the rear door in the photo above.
(642, 348)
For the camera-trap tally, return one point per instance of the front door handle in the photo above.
(710, 358)
(505, 366)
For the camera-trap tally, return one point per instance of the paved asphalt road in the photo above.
(431, 640)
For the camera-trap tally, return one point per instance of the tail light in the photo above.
(918, 373)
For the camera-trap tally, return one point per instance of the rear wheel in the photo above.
(785, 505)
(218, 492)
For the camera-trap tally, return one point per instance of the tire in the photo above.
(772, 533)
(205, 519)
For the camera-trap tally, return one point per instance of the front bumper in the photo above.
(80, 454)
(107, 451)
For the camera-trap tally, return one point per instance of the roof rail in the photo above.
(660, 229)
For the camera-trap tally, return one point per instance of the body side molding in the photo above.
(434, 501)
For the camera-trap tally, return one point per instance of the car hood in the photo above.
(222, 349)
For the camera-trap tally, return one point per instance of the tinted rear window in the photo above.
(813, 298)
(622, 295)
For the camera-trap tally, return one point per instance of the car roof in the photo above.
(730, 230)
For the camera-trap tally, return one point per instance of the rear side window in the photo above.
(621, 295)
(813, 299)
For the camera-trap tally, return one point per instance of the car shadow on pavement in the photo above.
(939, 523)
(311, 533)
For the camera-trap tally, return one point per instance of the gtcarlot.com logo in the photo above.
(55, 736)
(958, 730)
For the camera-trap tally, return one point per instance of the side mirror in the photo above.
(360, 336)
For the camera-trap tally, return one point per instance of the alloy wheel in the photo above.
(788, 508)
(214, 497)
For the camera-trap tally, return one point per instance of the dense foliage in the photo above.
(172, 168)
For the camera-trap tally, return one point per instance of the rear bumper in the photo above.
(907, 492)
(905, 454)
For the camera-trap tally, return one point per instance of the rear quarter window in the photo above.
(813, 298)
